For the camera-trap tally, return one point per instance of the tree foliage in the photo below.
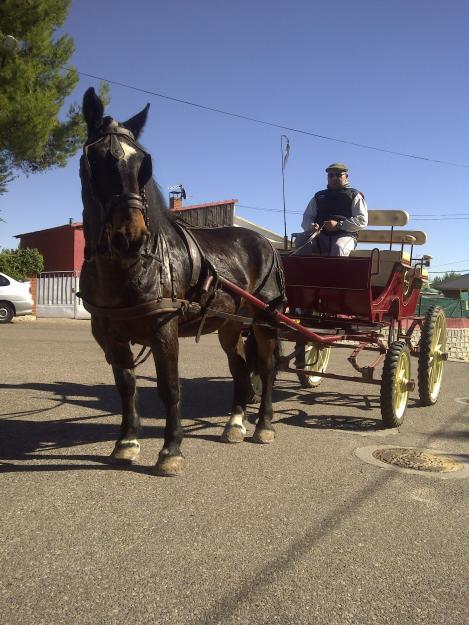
(449, 275)
(34, 83)
(21, 264)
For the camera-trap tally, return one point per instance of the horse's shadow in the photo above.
(23, 438)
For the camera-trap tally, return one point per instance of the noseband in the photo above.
(132, 200)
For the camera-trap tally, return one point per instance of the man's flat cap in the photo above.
(337, 167)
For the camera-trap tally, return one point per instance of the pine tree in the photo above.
(34, 82)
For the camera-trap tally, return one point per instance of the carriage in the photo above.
(365, 302)
(147, 279)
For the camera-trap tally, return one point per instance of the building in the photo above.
(62, 247)
(455, 287)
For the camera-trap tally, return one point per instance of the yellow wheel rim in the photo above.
(316, 359)
(436, 359)
(401, 386)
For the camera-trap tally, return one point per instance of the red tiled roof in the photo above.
(76, 225)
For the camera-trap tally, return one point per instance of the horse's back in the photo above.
(245, 257)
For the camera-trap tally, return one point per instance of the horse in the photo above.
(147, 279)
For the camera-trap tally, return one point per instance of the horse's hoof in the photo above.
(169, 466)
(126, 452)
(263, 436)
(233, 434)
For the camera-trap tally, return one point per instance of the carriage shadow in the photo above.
(312, 415)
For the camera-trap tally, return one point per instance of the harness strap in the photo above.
(153, 307)
(195, 253)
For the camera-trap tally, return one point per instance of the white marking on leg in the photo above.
(129, 441)
(238, 420)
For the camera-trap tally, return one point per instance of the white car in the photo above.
(15, 298)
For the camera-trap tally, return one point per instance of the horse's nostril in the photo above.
(120, 242)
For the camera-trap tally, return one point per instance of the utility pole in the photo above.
(285, 149)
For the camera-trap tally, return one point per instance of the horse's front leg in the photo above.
(119, 355)
(231, 341)
(127, 447)
(266, 341)
(165, 348)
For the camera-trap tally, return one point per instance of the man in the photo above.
(339, 212)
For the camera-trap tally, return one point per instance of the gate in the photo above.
(56, 295)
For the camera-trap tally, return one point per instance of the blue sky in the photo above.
(388, 75)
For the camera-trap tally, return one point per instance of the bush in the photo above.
(21, 264)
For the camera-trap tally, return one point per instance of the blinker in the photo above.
(146, 171)
(115, 147)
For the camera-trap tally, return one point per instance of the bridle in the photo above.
(132, 200)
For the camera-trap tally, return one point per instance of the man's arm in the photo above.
(359, 218)
(309, 216)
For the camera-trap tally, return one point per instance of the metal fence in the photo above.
(56, 295)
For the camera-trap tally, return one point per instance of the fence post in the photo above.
(33, 282)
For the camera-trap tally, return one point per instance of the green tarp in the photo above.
(452, 307)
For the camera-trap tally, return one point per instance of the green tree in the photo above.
(34, 82)
(449, 275)
(21, 264)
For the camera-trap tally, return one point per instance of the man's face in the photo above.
(336, 179)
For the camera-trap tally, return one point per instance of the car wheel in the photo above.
(6, 312)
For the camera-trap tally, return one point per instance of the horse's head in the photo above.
(114, 172)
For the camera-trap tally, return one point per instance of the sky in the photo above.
(389, 75)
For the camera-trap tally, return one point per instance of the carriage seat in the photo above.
(388, 258)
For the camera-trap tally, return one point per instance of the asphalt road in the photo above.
(298, 532)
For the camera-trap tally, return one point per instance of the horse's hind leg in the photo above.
(127, 447)
(266, 340)
(231, 341)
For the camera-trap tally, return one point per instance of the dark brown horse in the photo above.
(148, 280)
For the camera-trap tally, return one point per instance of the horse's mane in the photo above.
(157, 207)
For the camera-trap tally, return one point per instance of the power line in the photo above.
(291, 212)
(453, 262)
(272, 124)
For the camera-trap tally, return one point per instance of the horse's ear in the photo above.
(136, 123)
(93, 110)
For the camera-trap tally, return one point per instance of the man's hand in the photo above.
(314, 227)
(330, 225)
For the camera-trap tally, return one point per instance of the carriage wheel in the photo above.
(316, 359)
(431, 356)
(395, 384)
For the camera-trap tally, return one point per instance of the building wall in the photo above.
(79, 249)
(208, 216)
(62, 247)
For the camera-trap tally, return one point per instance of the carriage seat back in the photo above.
(383, 264)
(388, 258)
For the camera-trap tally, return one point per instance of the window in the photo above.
(4, 281)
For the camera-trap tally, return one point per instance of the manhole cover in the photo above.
(416, 460)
